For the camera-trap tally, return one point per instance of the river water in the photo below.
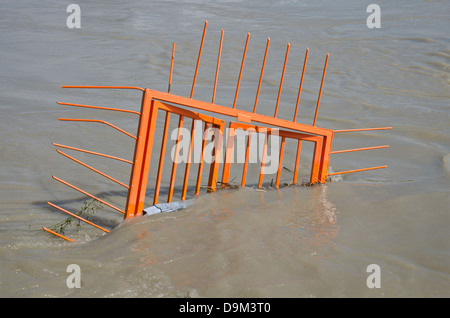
(293, 242)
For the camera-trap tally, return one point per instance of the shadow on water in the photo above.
(108, 217)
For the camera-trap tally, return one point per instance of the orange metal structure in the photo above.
(154, 102)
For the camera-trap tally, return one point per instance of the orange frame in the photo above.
(153, 101)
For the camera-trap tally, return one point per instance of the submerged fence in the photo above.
(209, 140)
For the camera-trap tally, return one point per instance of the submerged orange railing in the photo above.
(187, 108)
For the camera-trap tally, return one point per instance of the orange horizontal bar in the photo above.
(357, 170)
(57, 234)
(88, 194)
(77, 217)
(362, 129)
(281, 133)
(93, 169)
(93, 153)
(359, 149)
(223, 110)
(100, 107)
(98, 121)
(103, 87)
(188, 113)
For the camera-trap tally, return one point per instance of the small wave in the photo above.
(446, 162)
(416, 39)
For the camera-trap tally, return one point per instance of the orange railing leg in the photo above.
(142, 156)
(325, 156)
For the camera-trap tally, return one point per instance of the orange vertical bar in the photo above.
(325, 156)
(198, 59)
(140, 154)
(148, 155)
(217, 68)
(282, 78)
(261, 172)
(188, 163)
(214, 169)
(321, 87)
(200, 166)
(301, 84)
(280, 162)
(297, 158)
(171, 67)
(261, 76)
(161, 159)
(240, 72)
(175, 158)
(247, 153)
(228, 154)
(316, 162)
